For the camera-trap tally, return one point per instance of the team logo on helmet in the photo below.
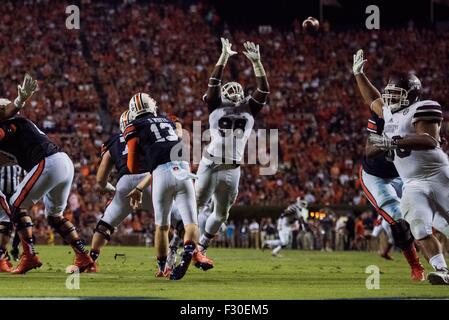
(142, 103)
(233, 92)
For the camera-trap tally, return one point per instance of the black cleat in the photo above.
(181, 269)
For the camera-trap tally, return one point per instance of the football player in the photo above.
(152, 139)
(115, 154)
(50, 175)
(286, 224)
(411, 137)
(382, 186)
(231, 119)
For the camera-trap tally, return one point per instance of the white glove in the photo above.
(382, 142)
(252, 51)
(359, 62)
(25, 91)
(226, 52)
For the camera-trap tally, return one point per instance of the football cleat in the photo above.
(5, 265)
(386, 256)
(27, 263)
(93, 268)
(82, 261)
(417, 273)
(180, 270)
(163, 274)
(439, 277)
(201, 261)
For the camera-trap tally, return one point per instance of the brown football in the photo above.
(311, 25)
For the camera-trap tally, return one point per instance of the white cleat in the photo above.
(439, 277)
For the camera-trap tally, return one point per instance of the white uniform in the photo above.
(425, 173)
(219, 171)
(50, 179)
(119, 208)
(383, 225)
(285, 224)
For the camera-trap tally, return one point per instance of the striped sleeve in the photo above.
(428, 112)
(129, 132)
(372, 126)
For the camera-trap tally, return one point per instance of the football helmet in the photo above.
(401, 91)
(233, 92)
(125, 119)
(142, 103)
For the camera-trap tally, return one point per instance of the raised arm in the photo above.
(25, 91)
(369, 92)
(259, 97)
(213, 94)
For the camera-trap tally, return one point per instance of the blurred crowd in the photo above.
(87, 77)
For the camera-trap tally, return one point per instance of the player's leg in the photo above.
(186, 204)
(163, 193)
(384, 196)
(390, 241)
(225, 193)
(418, 210)
(32, 188)
(5, 234)
(55, 201)
(440, 223)
(204, 186)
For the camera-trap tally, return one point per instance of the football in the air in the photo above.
(311, 25)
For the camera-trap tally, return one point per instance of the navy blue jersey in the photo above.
(22, 138)
(378, 166)
(156, 136)
(118, 150)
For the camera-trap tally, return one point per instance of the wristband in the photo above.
(138, 189)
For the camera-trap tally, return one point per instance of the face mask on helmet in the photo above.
(125, 119)
(142, 103)
(232, 91)
(401, 93)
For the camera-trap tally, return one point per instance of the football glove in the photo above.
(226, 52)
(359, 62)
(25, 91)
(382, 142)
(252, 51)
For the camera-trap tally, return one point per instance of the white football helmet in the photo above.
(302, 203)
(233, 92)
(125, 119)
(142, 103)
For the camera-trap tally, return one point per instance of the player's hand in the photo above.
(359, 62)
(25, 91)
(135, 198)
(226, 48)
(382, 142)
(252, 51)
(226, 52)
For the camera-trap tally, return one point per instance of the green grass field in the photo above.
(239, 274)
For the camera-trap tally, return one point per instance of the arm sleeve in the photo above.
(132, 139)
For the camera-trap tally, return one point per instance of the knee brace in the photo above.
(16, 216)
(402, 234)
(61, 225)
(105, 229)
(6, 228)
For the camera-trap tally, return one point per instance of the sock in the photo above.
(2, 253)
(276, 250)
(438, 262)
(387, 249)
(411, 255)
(161, 261)
(78, 246)
(189, 248)
(28, 246)
(94, 254)
(205, 241)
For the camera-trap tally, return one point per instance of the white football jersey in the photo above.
(415, 164)
(230, 127)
